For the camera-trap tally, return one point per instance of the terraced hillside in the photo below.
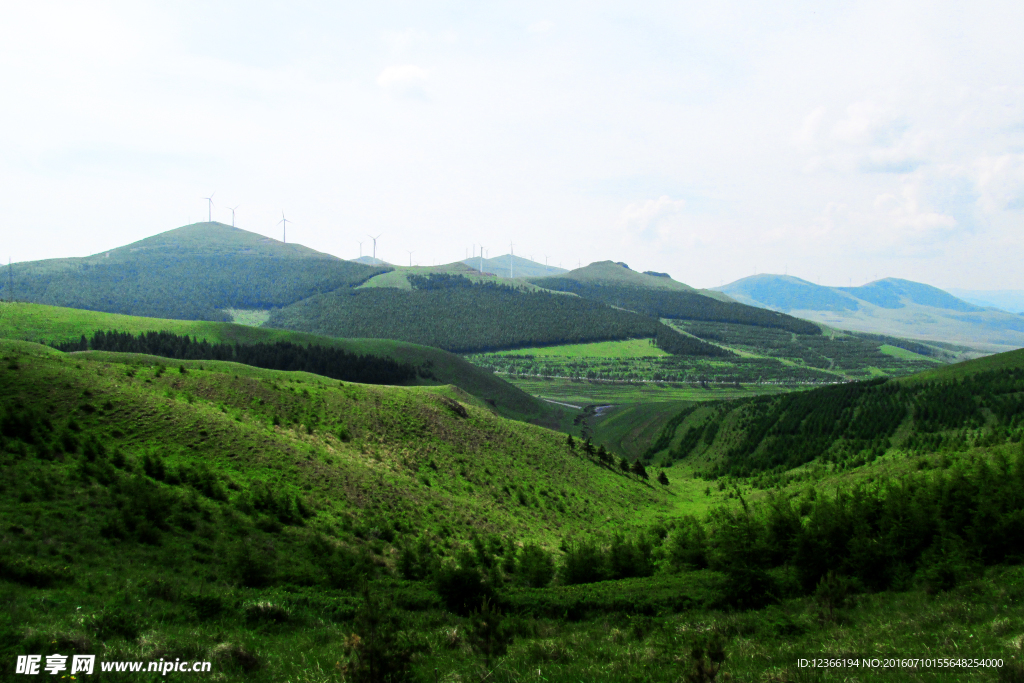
(195, 272)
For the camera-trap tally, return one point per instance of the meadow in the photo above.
(288, 526)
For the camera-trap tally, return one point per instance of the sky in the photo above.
(839, 142)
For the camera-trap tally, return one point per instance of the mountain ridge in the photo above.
(893, 306)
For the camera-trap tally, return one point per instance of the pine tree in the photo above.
(663, 478)
(639, 470)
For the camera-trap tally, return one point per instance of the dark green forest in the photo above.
(678, 305)
(856, 422)
(193, 287)
(320, 360)
(458, 315)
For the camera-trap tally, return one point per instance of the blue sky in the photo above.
(838, 143)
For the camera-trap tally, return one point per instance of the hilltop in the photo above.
(658, 296)
(508, 266)
(890, 306)
(196, 272)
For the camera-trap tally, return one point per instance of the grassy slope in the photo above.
(163, 587)
(38, 323)
(611, 273)
(399, 277)
(409, 451)
(734, 419)
(1000, 361)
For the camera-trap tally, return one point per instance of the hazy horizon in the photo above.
(836, 144)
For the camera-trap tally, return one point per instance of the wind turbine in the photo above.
(481, 259)
(233, 214)
(209, 207)
(374, 245)
(511, 256)
(284, 222)
(410, 258)
(360, 248)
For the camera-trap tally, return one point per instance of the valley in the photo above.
(384, 473)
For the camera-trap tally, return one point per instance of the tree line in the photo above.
(281, 355)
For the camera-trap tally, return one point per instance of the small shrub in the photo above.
(266, 611)
(30, 572)
(235, 656)
(488, 634)
(535, 567)
(116, 622)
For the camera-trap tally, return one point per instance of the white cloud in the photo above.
(540, 26)
(656, 220)
(402, 76)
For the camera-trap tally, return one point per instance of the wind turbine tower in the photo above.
(209, 207)
(284, 222)
(233, 214)
(410, 258)
(360, 248)
(511, 256)
(481, 259)
(375, 245)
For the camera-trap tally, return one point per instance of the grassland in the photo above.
(626, 348)
(50, 324)
(765, 361)
(258, 519)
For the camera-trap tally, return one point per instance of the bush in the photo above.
(266, 611)
(30, 572)
(253, 564)
(116, 622)
(462, 587)
(583, 563)
(535, 567)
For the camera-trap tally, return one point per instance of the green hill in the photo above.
(456, 313)
(283, 526)
(195, 272)
(891, 306)
(949, 409)
(616, 285)
(508, 266)
(47, 324)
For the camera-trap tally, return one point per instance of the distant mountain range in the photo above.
(1011, 300)
(890, 306)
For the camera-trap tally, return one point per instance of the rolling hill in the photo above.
(48, 325)
(508, 266)
(460, 314)
(891, 306)
(662, 297)
(953, 408)
(195, 272)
